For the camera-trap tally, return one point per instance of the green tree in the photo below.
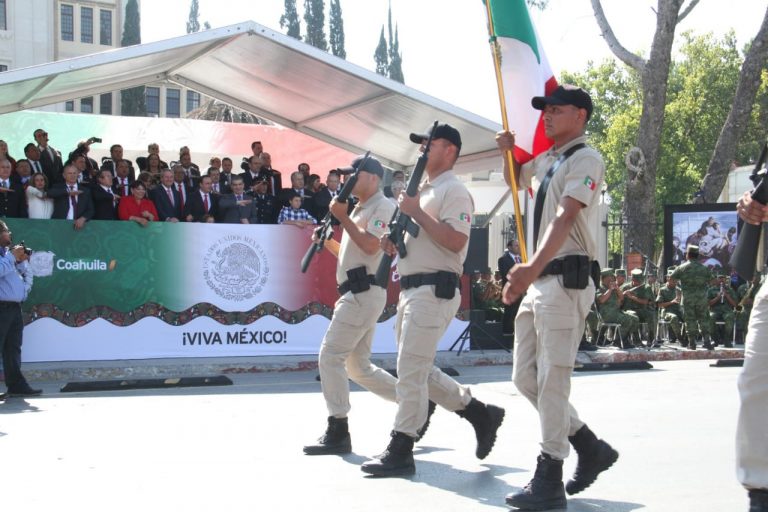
(381, 55)
(193, 24)
(314, 16)
(290, 20)
(336, 30)
(132, 100)
(395, 57)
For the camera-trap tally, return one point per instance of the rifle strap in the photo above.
(541, 194)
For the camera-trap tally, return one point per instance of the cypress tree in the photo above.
(336, 32)
(380, 56)
(193, 25)
(132, 100)
(396, 60)
(314, 16)
(291, 20)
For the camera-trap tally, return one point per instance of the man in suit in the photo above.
(191, 171)
(253, 171)
(166, 198)
(50, 159)
(115, 156)
(33, 157)
(509, 259)
(396, 176)
(202, 205)
(180, 184)
(104, 198)
(323, 198)
(71, 201)
(257, 148)
(263, 209)
(297, 188)
(234, 207)
(121, 184)
(13, 202)
(225, 179)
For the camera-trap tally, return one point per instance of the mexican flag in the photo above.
(525, 72)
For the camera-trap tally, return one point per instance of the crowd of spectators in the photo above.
(46, 185)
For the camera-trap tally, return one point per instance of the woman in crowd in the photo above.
(153, 166)
(5, 156)
(137, 207)
(148, 180)
(40, 205)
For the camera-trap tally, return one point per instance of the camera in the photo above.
(27, 250)
(94, 139)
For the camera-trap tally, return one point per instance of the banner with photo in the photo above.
(711, 227)
(116, 290)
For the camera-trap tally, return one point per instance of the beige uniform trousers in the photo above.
(752, 427)
(422, 319)
(346, 351)
(548, 328)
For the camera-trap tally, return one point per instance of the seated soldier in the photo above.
(721, 300)
(639, 298)
(669, 301)
(486, 295)
(294, 214)
(746, 293)
(609, 299)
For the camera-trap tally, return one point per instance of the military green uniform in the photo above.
(721, 311)
(672, 313)
(610, 310)
(694, 279)
(481, 295)
(746, 296)
(646, 313)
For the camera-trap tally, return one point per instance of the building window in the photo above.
(86, 25)
(67, 23)
(153, 101)
(193, 100)
(173, 103)
(69, 106)
(86, 105)
(106, 27)
(3, 19)
(105, 104)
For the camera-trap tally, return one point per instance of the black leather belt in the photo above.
(7, 304)
(416, 280)
(345, 286)
(553, 268)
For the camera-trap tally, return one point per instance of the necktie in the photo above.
(125, 186)
(37, 166)
(5, 183)
(73, 199)
(239, 197)
(170, 196)
(181, 196)
(205, 202)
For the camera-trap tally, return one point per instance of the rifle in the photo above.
(744, 257)
(325, 231)
(402, 223)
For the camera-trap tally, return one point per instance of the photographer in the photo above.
(15, 284)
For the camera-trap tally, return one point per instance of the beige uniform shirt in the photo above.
(374, 216)
(447, 200)
(580, 177)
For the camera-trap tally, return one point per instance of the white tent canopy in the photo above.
(273, 76)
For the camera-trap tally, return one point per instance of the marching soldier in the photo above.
(721, 303)
(693, 278)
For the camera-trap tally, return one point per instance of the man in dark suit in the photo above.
(180, 184)
(71, 200)
(202, 205)
(50, 159)
(253, 172)
(225, 178)
(115, 156)
(257, 148)
(33, 157)
(508, 260)
(396, 176)
(104, 197)
(13, 202)
(297, 188)
(325, 195)
(166, 198)
(263, 209)
(273, 176)
(233, 208)
(121, 184)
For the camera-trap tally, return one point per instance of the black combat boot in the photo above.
(397, 459)
(758, 500)
(595, 456)
(335, 441)
(423, 430)
(486, 419)
(545, 491)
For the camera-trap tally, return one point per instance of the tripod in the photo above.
(475, 315)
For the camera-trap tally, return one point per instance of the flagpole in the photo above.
(505, 124)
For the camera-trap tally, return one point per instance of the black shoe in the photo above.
(2, 397)
(397, 459)
(708, 345)
(586, 346)
(545, 491)
(595, 456)
(25, 392)
(758, 500)
(431, 406)
(486, 419)
(335, 441)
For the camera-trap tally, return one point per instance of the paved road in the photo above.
(238, 448)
